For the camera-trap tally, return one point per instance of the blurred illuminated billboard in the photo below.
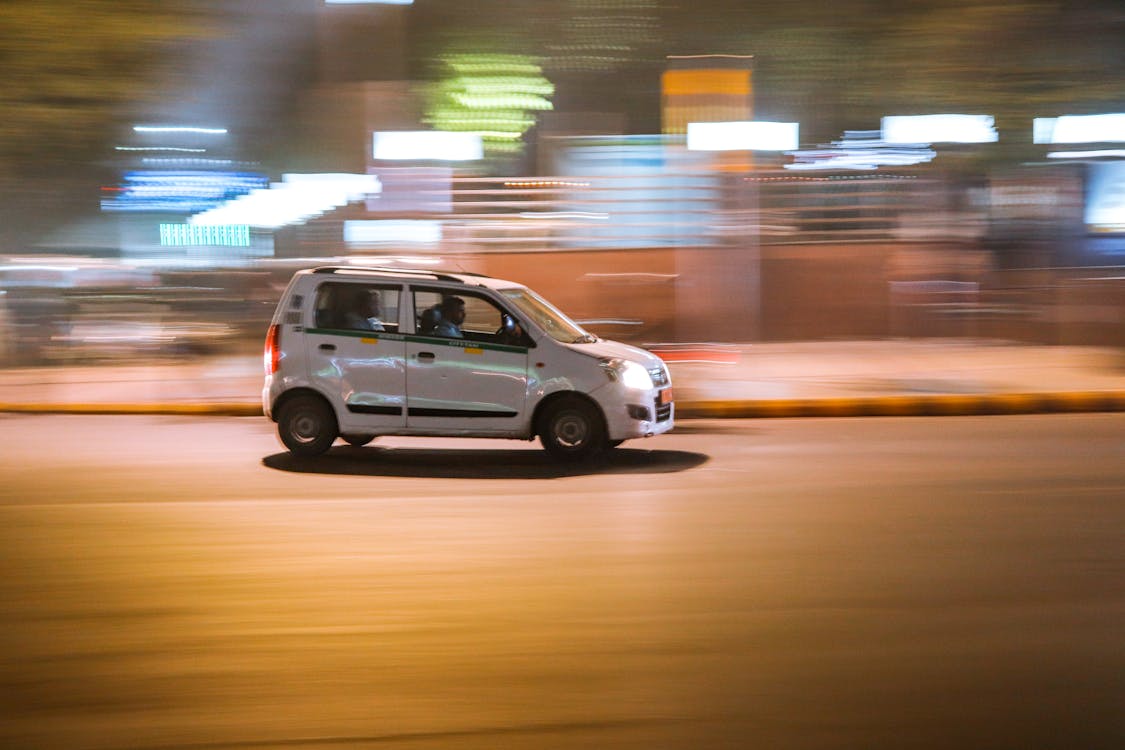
(1105, 197)
(177, 191)
(706, 88)
(495, 97)
(859, 150)
(191, 235)
(295, 200)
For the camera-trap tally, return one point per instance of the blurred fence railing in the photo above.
(687, 208)
(676, 208)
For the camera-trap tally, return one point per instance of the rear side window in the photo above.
(357, 307)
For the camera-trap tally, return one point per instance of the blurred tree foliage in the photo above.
(845, 65)
(1017, 60)
(70, 67)
(831, 66)
(72, 71)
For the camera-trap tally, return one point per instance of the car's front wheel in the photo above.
(307, 425)
(572, 429)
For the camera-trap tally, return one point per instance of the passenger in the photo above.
(363, 315)
(452, 316)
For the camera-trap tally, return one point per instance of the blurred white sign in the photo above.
(426, 145)
(378, 232)
(1109, 128)
(939, 129)
(749, 135)
(1105, 197)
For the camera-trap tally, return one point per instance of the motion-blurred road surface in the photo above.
(865, 583)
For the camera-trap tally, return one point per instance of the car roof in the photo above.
(411, 274)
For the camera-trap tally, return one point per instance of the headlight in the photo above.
(630, 374)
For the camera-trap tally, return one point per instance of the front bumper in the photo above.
(637, 414)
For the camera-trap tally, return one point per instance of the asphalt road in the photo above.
(181, 584)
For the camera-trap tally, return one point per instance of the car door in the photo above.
(473, 384)
(362, 369)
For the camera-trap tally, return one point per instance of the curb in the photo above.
(187, 410)
(933, 405)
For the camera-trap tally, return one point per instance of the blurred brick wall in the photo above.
(816, 292)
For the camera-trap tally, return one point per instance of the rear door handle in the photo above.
(426, 355)
(327, 347)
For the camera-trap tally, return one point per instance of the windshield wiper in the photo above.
(586, 338)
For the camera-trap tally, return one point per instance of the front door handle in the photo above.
(327, 347)
(426, 355)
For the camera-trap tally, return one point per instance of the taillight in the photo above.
(272, 355)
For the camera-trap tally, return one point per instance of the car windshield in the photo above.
(546, 316)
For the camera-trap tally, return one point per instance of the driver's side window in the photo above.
(484, 319)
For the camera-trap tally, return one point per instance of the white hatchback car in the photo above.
(357, 352)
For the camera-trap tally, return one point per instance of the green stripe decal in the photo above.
(415, 339)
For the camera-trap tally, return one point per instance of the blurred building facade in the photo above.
(692, 245)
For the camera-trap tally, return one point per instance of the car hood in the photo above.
(606, 348)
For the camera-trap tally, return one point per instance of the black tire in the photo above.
(572, 429)
(614, 443)
(307, 425)
(357, 441)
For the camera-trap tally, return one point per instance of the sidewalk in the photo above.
(902, 377)
(774, 379)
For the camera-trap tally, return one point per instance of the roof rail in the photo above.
(438, 275)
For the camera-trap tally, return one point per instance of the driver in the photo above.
(452, 316)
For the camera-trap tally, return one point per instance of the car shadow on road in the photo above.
(379, 461)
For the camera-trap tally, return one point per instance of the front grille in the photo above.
(663, 413)
(659, 376)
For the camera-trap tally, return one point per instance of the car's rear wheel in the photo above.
(307, 425)
(572, 429)
(357, 441)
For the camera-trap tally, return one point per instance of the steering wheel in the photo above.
(507, 329)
